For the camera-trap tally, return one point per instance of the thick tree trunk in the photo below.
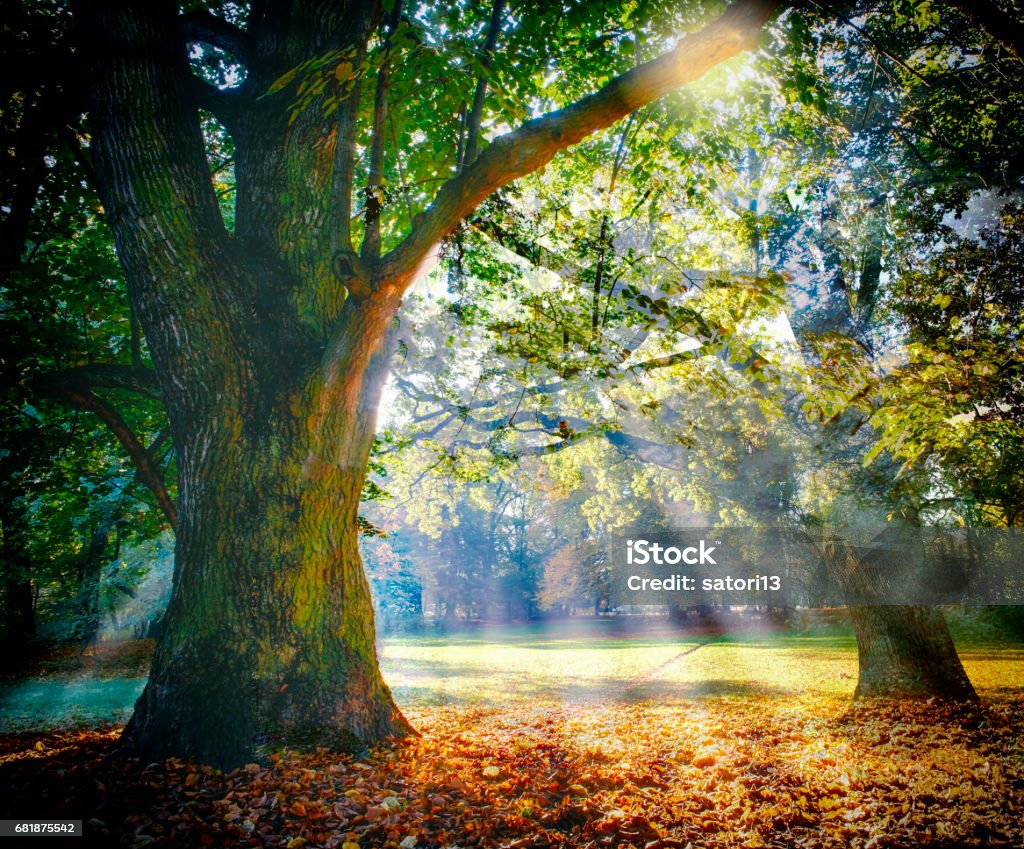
(268, 345)
(269, 636)
(903, 650)
(271, 367)
(907, 651)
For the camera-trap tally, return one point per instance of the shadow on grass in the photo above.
(608, 692)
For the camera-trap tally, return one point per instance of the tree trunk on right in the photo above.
(902, 650)
(907, 651)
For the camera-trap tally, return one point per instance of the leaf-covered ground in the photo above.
(738, 773)
(562, 740)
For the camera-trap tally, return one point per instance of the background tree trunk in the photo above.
(90, 568)
(907, 651)
(19, 623)
(19, 610)
(902, 650)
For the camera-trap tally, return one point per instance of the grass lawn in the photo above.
(592, 663)
(561, 663)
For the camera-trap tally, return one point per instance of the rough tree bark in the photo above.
(902, 650)
(907, 650)
(271, 348)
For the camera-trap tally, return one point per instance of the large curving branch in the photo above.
(534, 144)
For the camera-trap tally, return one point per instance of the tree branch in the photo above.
(535, 143)
(532, 251)
(202, 26)
(570, 432)
(604, 243)
(401, 169)
(224, 104)
(99, 376)
(159, 442)
(74, 388)
(476, 114)
(863, 33)
(663, 455)
(452, 409)
(344, 162)
(375, 179)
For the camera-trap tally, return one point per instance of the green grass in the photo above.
(552, 667)
(586, 663)
(561, 663)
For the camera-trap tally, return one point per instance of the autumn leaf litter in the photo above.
(725, 773)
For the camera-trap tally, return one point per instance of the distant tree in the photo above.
(932, 150)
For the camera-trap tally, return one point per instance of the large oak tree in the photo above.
(271, 340)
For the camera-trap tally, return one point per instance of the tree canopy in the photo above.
(625, 262)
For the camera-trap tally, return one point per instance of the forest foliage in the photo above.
(799, 270)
